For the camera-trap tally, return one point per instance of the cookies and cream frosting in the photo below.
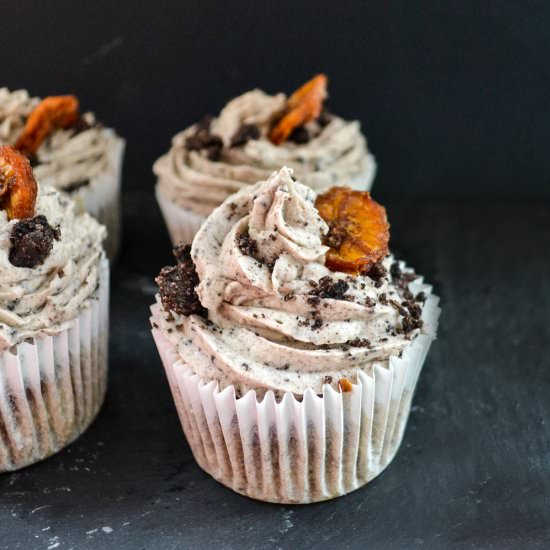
(277, 317)
(67, 159)
(44, 298)
(333, 150)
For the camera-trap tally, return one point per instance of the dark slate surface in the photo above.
(474, 468)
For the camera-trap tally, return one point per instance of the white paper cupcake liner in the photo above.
(182, 223)
(52, 389)
(303, 451)
(101, 197)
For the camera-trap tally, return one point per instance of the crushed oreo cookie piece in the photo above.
(182, 253)
(420, 297)
(203, 140)
(411, 314)
(81, 125)
(177, 285)
(325, 118)
(300, 135)
(31, 241)
(75, 186)
(329, 288)
(336, 235)
(244, 134)
(401, 278)
(359, 343)
(248, 246)
(376, 272)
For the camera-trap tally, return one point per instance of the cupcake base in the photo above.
(101, 197)
(298, 452)
(182, 223)
(52, 389)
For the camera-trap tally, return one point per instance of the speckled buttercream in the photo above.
(66, 159)
(336, 152)
(45, 298)
(278, 318)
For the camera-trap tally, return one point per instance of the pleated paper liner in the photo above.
(101, 197)
(52, 389)
(295, 451)
(183, 224)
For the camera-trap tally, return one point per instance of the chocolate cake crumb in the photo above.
(244, 134)
(31, 241)
(177, 285)
(299, 135)
(327, 380)
(328, 288)
(203, 139)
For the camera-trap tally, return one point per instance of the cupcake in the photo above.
(72, 152)
(293, 340)
(254, 135)
(54, 294)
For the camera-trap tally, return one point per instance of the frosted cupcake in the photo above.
(292, 341)
(54, 292)
(72, 152)
(253, 135)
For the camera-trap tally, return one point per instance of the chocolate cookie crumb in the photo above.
(245, 133)
(376, 272)
(359, 343)
(81, 125)
(336, 235)
(317, 323)
(177, 285)
(75, 186)
(203, 139)
(248, 246)
(325, 118)
(182, 252)
(299, 135)
(328, 288)
(31, 241)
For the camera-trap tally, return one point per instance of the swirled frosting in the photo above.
(43, 299)
(278, 318)
(336, 152)
(67, 159)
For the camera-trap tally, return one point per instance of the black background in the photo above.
(453, 96)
